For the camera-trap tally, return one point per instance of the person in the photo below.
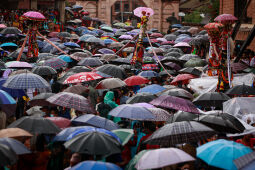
(110, 100)
(102, 108)
(2, 119)
(247, 140)
(75, 159)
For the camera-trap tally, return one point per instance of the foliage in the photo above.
(193, 17)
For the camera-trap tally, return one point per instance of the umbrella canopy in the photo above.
(82, 77)
(139, 11)
(213, 153)
(225, 18)
(36, 125)
(77, 89)
(182, 116)
(147, 105)
(182, 78)
(80, 55)
(71, 100)
(182, 44)
(110, 83)
(92, 62)
(223, 122)
(125, 37)
(195, 62)
(159, 158)
(18, 147)
(64, 34)
(245, 162)
(33, 15)
(148, 74)
(173, 65)
(60, 122)
(210, 99)
(93, 165)
(187, 57)
(94, 143)
(160, 114)
(7, 155)
(153, 89)
(26, 81)
(72, 45)
(180, 132)
(96, 121)
(5, 98)
(106, 51)
(19, 64)
(44, 70)
(177, 92)
(66, 58)
(241, 90)
(112, 70)
(10, 30)
(135, 80)
(191, 70)
(140, 98)
(134, 160)
(16, 133)
(176, 103)
(9, 45)
(124, 135)
(132, 112)
(79, 69)
(40, 99)
(55, 63)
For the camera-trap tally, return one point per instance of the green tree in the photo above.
(193, 17)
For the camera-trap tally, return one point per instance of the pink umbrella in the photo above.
(126, 37)
(161, 39)
(60, 122)
(182, 44)
(157, 35)
(225, 18)
(138, 11)
(33, 15)
(147, 105)
(167, 43)
(2, 26)
(20, 64)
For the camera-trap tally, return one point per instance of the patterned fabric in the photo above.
(160, 114)
(26, 81)
(44, 70)
(55, 63)
(71, 100)
(245, 160)
(180, 132)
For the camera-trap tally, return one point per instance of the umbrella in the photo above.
(124, 135)
(15, 133)
(195, 41)
(77, 89)
(182, 44)
(160, 114)
(44, 70)
(94, 143)
(182, 116)
(187, 57)
(26, 81)
(72, 45)
(82, 77)
(148, 74)
(182, 78)
(178, 92)
(222, 122)
(40, 99)
(167, 72)
(19, 64)
(241, 90)
(116, 45)
(7, 155)
(245, 162)
(134, 160)
(79, 69)
(64, 134)
(110, 83)
(213, 153)
(118, 61)
(225, 18)
(18, 147)
(176, 103)
(64, 35)
(140, 98)
(195, 62)
(128, 49)
(153, 89)
(2, 26)
(173, 65)
(15, 54)
(10, 30)
(150, 67)
(5, 98)
(135, 80)
(106, 51)
(119, 24)
(66, 58)
(60, 122)
(12, 92)
(55, 63)
(92, 62)
(210, 99)
(132, 112)
(125, 37)
(159, 158)
(9, 45)
(174, 54)
(139, 11)
(93, 40)
(33, 15)
(96, 121)
(180, 132)
(112, 70)
(107, 28)
(108, 57)
(36, 125)
(191, 70)
(72, 101)
(94, 165)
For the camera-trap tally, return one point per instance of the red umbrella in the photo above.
(184, 78)
(136, 80)
(82, 77)
(150, 67)
(60, 122)
(225, 18)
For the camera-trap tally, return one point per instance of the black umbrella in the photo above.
(44, 70)
(241, 90)
(7, 155)
(171, 59)
(164, 73)
(191, 70)
(35, 125)
(65, 76)
(15, 54)
(112, 70)
(64, 35)
(10, 30)
(174, 54)
(18, 147)
(94, 143)
(40, 99)
(222, 122)
(119, 61)
(141, 98)
(211, 99)
(92, 62)
(174, 50)
(79, 69)
(182, 116)
(180, 132)
(178, 92)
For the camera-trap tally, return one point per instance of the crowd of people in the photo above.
(107, 51)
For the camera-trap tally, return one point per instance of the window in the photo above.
(117, 7)
(126, 7)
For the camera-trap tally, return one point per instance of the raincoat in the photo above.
(108, 99)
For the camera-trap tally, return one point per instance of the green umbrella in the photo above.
(195, 62)
(124, 134)
(119, 24)
(106, 28)
(132, 163)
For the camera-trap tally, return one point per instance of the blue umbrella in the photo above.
(94, 165)
(12, 92)
(107, 34)
(5, 98)
(222, 153)
(97, 121)
(77, 7)
(176, 26)
(153, 89)
(10, 44)
(18, 147)
(72, 44)
(148, 74)
(132, 112)
(108, 41)
(85, 37)
(106, 51)
(92, 129)
(66, 58)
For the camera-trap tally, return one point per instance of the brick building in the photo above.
(106, 11)
(235, 7)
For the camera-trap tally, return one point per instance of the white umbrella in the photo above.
(159, 158)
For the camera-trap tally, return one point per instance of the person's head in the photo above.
(75, 159)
